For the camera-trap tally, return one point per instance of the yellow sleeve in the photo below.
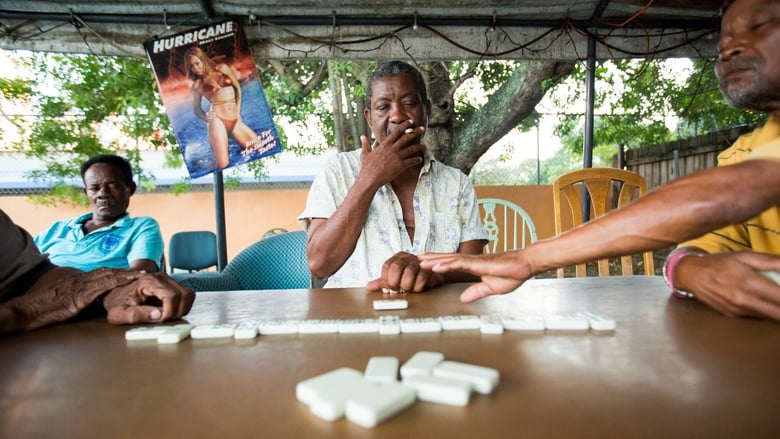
(769, 151)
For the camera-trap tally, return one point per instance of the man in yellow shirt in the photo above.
(746, 193)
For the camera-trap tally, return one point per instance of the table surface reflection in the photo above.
(672, 368)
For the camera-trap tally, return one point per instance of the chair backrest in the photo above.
(508, 226)
(273, 263)
(604, 189)
(193, 250)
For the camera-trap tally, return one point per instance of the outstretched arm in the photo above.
(680, 210)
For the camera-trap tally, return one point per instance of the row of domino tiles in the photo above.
(373, 396)
(384, 325)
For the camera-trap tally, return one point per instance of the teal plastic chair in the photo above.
(192, 251)
(274, 263)
(508, 226)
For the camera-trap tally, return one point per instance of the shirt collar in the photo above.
(79, 222)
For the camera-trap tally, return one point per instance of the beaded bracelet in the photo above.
(668, 270)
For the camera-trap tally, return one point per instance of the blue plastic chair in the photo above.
(192, 251)
(274, 263)
(506, 224)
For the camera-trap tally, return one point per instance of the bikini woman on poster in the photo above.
(219, 85)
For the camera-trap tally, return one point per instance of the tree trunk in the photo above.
(462, 145)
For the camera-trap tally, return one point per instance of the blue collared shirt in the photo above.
(114, 246)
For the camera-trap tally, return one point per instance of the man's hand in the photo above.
(501, 273)
(151, 298)
(403, 273)
(730, 283)
(397, 152)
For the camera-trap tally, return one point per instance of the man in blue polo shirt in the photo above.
(107, 236)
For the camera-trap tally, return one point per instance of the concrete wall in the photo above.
(249, 214)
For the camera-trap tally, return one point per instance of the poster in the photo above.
(210, 89)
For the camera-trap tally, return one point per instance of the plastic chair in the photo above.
(508, 226)
(192, 251)
(607, 189)
(274, 263)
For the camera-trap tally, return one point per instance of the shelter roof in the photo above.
(376, 30)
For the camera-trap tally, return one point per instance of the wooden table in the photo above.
(673, 368)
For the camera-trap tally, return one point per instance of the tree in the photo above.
(75, 96)
(641, 102)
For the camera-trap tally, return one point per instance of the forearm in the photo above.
(680, 210)
(59, 295)
(333, 240)
(50, 300)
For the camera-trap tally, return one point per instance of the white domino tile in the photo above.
(457, 323)
(528, 322)
(246, 330)
(598, 322)
(491, 324)
(420, 324)
(376, 403)
(174, 334)
(359, 326)
(382, 370)
(482, 379)
(421, 363)
(440, 390)
(145, 333)
(276, 327)
(220, 330)
(389, 325)
(573, 323)
(389, 304)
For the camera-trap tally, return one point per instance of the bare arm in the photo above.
(332, 240)
(59, 295)
(680, 210)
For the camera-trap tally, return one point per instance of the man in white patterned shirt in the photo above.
(371, 211)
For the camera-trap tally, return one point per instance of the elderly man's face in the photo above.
(108, 191)
(749, 64)
(394, 100)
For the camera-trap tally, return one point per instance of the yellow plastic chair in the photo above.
(608, 189)
(508, 226)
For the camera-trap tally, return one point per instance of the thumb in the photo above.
(374, 285)
(365, 144)
(129, 314)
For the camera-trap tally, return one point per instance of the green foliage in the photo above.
(640, 103)
(498, 172)
(86, 105)
(488, 74)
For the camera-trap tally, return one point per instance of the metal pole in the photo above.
(590, 100)
(219, 210)
(538, 166)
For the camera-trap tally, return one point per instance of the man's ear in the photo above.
(132, 187)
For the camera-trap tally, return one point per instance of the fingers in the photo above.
(731, 283)
(476, 292)
(489, 286)
(402, 272)
(176, 299)
(130, 314)
(152, 297)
